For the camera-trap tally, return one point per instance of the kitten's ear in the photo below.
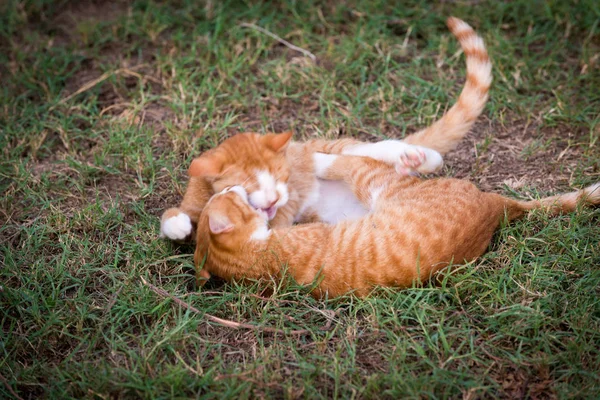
(277, 141)
(205, 166)
(219, 223)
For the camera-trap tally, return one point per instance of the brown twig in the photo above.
(101, 78)
(10, 389)
(224, 322)
(280, 40)
(113, 300)
(186, 366)
(330, 315)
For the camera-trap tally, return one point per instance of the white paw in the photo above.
(411, 158)
(418, 159)
(433, 161)
(177, 227)
(402, 155)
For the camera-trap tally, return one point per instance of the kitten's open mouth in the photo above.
(270, 212)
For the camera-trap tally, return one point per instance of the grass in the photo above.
(85, 178)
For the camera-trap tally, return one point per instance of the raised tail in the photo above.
(555, 204)
(445, 134)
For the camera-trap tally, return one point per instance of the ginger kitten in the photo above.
(414, 228)
(291, 193)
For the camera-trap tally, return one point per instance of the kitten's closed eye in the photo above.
(240, 191)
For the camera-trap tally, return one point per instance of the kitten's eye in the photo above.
(281, 176)
(249, 185)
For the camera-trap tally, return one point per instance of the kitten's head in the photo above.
(228, 223)
(232, 221)
(255, 162)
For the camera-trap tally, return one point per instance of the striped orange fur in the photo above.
(445, 134)
(415, 228)
(238, 159)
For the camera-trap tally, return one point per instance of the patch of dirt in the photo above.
(110, 186)
(517, 155)
(282, 115)
(79, 13)
(164, 196)
(517, 382)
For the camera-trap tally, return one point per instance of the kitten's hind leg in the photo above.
(410, 161)
(402, 155)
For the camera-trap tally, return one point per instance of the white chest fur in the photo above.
(337, 202)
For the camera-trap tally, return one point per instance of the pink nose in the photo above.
(272, 200)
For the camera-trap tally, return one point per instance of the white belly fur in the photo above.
(337, 202)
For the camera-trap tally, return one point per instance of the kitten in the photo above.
(415, 227)
(278, 174)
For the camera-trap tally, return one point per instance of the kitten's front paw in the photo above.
(176, 228)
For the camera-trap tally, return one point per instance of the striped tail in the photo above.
(445, 134)
(555, 205)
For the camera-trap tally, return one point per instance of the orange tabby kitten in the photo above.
(279, 177)
(415, 227)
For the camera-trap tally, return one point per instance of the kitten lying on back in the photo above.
(278, 174)
(415, 228)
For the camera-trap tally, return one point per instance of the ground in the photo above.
(103, 105)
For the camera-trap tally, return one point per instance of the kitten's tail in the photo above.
(556, 204)
(445, 134)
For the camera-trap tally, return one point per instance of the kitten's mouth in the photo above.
(269, 212)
